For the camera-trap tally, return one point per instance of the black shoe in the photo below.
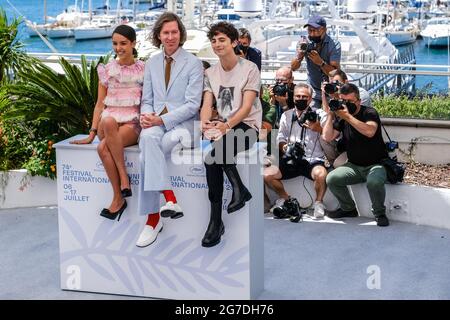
(127, 191)
(113, 215)
(339, 213)
(382, 221)
(213, 235)
(289, 209)
(215, 227)
(240, 193)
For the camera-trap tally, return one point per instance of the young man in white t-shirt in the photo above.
(235, 84)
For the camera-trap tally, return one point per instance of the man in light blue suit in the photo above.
(173, 85)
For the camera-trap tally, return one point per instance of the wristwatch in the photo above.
(322, 64)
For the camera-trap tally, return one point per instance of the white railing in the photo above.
(379, 73)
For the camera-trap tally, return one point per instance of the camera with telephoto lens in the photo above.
(332, 88)
(336, 104)
(307, 46)
(308, 115)
(294, 153)
(280, 89)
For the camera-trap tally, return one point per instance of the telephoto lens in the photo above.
(331, 88)
(335, 104)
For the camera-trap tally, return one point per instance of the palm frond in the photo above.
(12, 57)
(67, 100)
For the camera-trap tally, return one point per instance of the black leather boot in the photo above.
(215, 227)
(240, 192)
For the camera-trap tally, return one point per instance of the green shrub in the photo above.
(28, 145)
(42, 107)
(434, 107)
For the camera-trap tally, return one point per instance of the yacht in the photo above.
(437, 32)
(99, 27)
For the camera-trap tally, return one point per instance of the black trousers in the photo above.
(223, 154)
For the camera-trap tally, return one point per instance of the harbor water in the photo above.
(33, 10)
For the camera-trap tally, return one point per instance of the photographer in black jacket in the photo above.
(300, 153)
(361, 132)
(244, 50)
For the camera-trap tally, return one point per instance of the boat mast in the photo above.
(45, 11)
(90, 10)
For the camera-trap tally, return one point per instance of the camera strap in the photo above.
(293, 119)
(302, 135)
(302, 132)
(385, 131)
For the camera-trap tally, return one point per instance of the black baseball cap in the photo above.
(316, 22)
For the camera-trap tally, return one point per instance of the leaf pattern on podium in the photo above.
(167, 263)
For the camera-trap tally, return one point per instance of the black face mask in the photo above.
(301, 104)
(316, 40)
(351, 107)
(244, 49)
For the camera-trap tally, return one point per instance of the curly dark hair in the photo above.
(223, 27)
(167, 17)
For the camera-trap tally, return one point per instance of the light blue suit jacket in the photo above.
(184, 92)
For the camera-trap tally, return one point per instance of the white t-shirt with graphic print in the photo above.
(228, 88)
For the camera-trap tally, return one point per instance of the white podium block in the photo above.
(100, 255)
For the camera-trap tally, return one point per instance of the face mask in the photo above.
(301, 104)
(317, 39)
(244, 49)
(351, 107)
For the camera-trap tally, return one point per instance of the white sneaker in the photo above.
(172, 210)
(149, 234)
(319, 210)
(278, 203)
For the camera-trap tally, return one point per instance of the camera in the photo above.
(307, 46)
(280, 89)
(294, 153)
(332, 88)
(289, 210)
(308, 115)
(238, 49)
(336, 104)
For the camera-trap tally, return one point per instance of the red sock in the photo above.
(169, 195)
(153, 219)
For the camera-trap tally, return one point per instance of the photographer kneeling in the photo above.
(300, 153)
(361, 131)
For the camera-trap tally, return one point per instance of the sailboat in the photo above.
(68, 21)
(399, 32)
(102, 26)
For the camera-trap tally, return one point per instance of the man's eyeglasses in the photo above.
(281, 80)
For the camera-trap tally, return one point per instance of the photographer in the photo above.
(300, 152)
(330, 90)
(244, 50)
(361, 132)
(282, 93)
(323, 55)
